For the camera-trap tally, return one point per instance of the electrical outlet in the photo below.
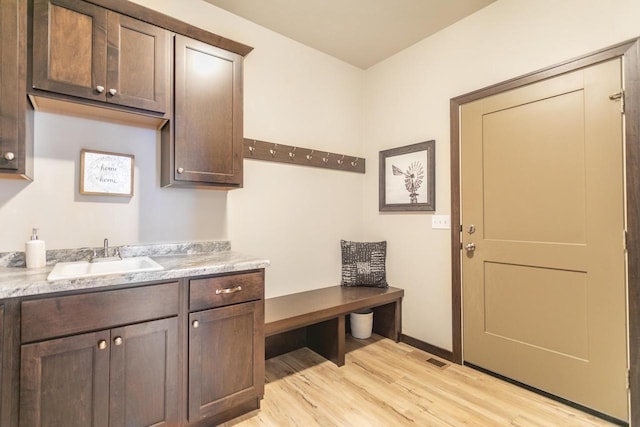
(440, 222)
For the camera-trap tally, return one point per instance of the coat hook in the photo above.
(325, 159)
(252, 147)
(354, 163)
(272, 151)
(310, 155)
(292, 154)
(341, 161)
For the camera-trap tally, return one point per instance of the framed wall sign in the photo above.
(106, 174)
(408, 178)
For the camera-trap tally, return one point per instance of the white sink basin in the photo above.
(80, 269)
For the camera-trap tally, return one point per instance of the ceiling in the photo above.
(360, 32)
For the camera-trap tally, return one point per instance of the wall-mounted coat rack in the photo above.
(272, 152)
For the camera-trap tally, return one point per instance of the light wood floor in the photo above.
(389, 384)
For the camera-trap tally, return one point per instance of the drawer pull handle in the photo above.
(102, 344)
(228, 290)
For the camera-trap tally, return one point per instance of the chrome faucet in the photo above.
(105, 255)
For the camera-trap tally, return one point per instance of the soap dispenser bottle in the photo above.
(34, 251)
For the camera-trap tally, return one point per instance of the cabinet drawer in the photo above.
(52, 317)
(225, 290)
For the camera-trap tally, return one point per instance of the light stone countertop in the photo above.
(178, 260)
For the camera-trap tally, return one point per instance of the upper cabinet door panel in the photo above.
(86, 51)
(9, 155)
(138, 64)
(208, 113)
(69, 48)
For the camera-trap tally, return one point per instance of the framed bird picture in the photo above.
(408, 178)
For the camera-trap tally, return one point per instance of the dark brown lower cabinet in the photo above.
(2, 409)
(226, 358)
(120, 377)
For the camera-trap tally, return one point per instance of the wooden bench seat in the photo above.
(317, 318)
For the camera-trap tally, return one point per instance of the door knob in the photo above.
(9, 156)
(99, 89)
(112, 92)
(102, 344)
(117, 341)
(195, 324)
(470, 247)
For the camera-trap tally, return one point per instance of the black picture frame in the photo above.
(408, 173)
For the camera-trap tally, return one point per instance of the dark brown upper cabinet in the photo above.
(106, 59)
(85, 51)
(202, 145)
(16, 140)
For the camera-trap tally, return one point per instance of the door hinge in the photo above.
(618, 96)
(628, 379)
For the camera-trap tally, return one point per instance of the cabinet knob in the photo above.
(100, 89)
(180, 170)
(102, 344)
(195, 324)
(112, 92)
(117, 340)
(9, 156)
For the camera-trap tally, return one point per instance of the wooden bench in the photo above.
(316, 319)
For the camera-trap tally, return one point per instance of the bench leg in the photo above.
(328, 339)
(387, 320)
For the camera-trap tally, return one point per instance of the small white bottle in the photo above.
(34, 251)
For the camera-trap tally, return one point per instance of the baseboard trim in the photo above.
(429, 348)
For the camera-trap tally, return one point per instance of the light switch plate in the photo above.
(442, 222)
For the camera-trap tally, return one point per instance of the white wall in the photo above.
(292, 215)
(407, 101)
(67, 219)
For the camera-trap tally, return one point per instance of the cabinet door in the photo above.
(226, 358)
(208, 114)
(144, 374)
(2, 408)
(138, 64)
(70, 48)
(65, 382)
(9, 154)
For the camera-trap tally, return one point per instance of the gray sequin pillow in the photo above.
(363, 263)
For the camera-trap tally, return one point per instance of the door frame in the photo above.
(630, 51)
